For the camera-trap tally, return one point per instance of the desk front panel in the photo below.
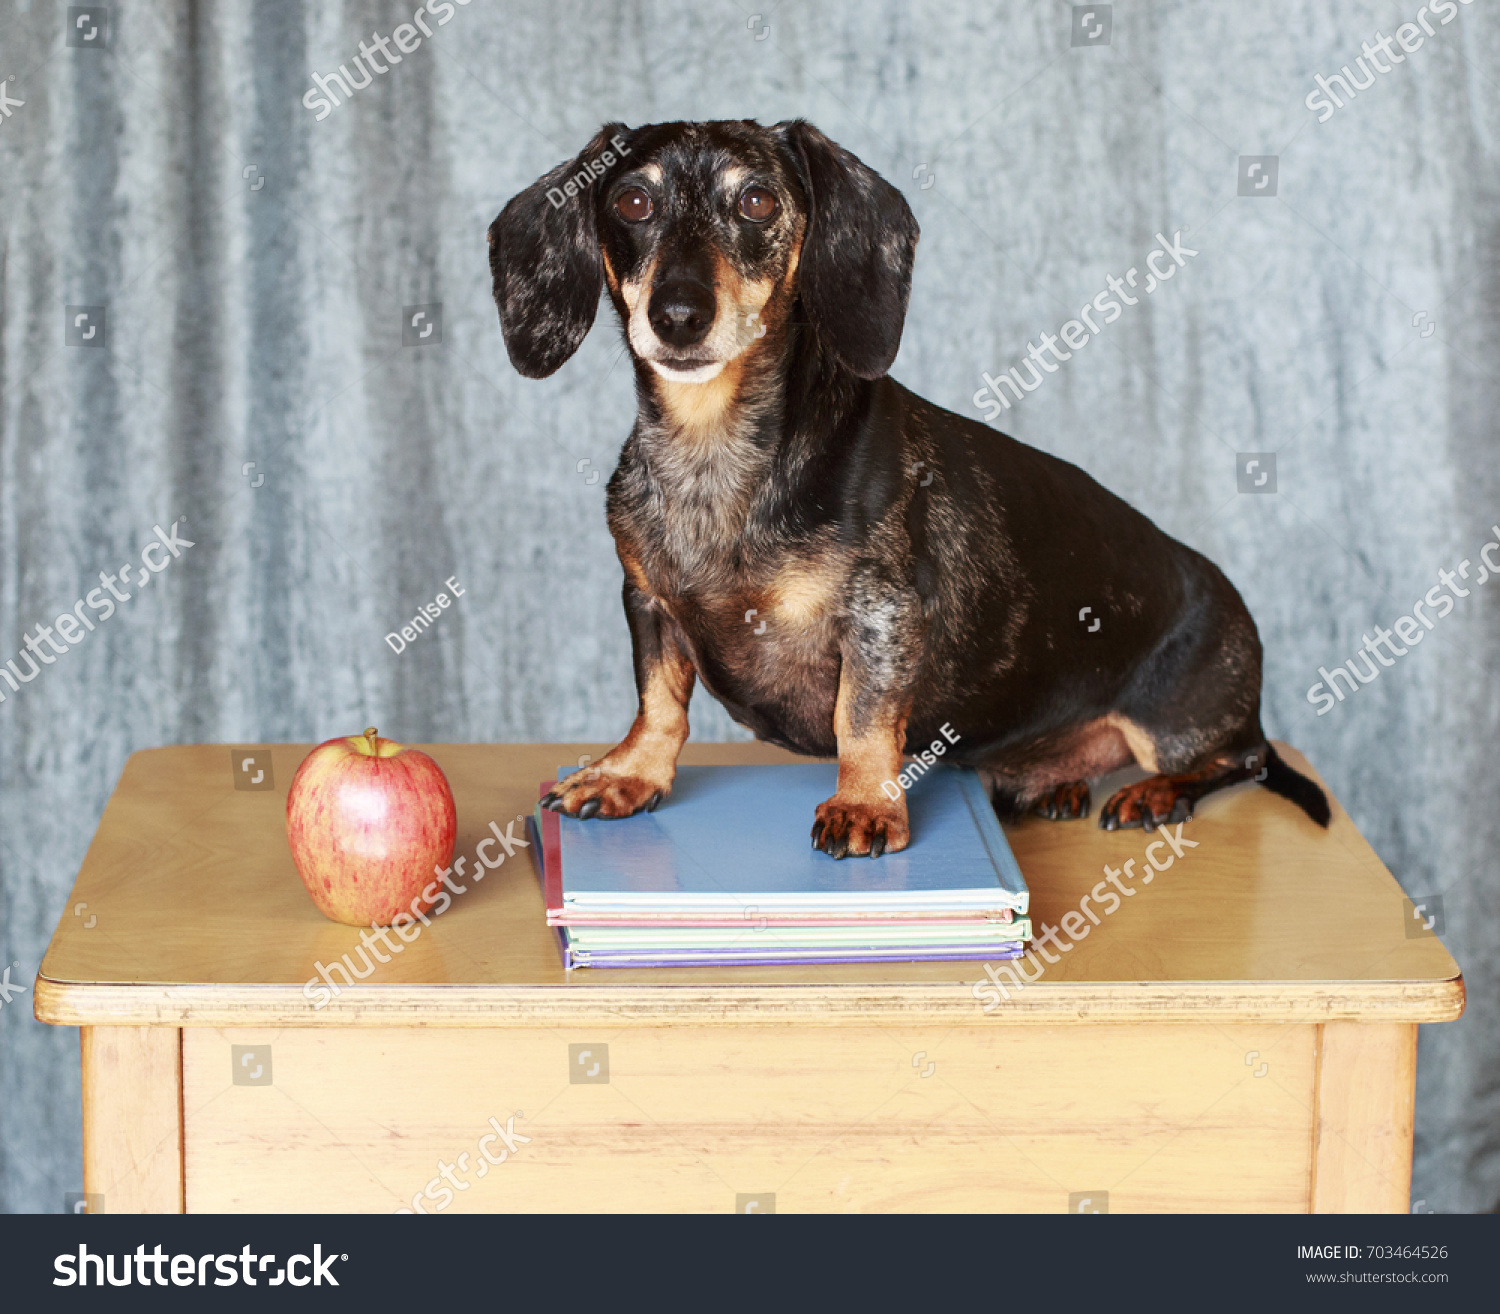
(687, 1118)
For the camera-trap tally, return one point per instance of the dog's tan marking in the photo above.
(738, 295)
(705, 411)
(860, 811)
(802, 592)
(631, 288)
(741, 297)
(1137, 739)
(867, 755)
(661, 725)
(633, 571)
(702, 410)
(795, 258)
(645, 761)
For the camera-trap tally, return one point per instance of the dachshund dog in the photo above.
(848, 568)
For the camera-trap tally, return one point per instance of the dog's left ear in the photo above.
(545, 260)
(854, 275)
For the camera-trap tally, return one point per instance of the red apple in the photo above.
(368, 820)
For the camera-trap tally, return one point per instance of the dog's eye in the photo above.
(633, 205)
(757, 204)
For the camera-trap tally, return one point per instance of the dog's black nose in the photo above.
(681, 313)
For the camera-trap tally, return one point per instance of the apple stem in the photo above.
(370, 735)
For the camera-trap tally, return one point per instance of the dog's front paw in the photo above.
(850, 827)
(595, 792)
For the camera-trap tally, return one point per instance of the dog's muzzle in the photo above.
(681, 313)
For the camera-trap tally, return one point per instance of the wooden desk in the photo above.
(1239, 1035)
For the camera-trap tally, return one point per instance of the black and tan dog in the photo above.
(846, 567)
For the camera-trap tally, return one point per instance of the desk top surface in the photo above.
(188, 911)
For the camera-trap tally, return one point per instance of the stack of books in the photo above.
(722, 873)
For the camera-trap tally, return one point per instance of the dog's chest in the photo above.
(699, 506)
(763, 626)
(762, 610)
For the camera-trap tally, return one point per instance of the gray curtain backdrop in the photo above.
(256, 267)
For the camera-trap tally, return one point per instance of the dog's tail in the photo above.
(1281, 779)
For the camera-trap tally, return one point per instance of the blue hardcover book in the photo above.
(734, 836)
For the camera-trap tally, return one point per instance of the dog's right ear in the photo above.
(854, 277)
(545, 260)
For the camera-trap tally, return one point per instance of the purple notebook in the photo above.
(727, 958)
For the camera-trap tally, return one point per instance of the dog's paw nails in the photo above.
(855, 828)
(549, 798)
(589, 809)
(655, 802)
(1065, 803)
